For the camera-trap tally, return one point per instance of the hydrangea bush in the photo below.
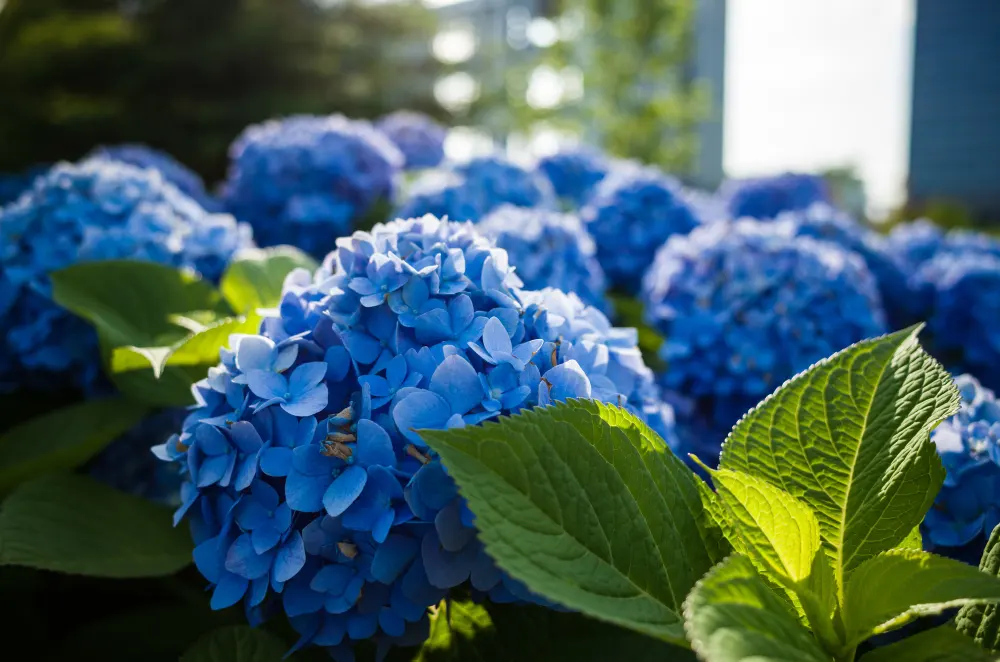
(744, 306)
(418, 137)
(764, 198)
(574, 173)
(549, 249)
(306, 180)
(308, 484)
(632, 212)
(186, 180)
(967, 508)
(90, 211)
(468, 191)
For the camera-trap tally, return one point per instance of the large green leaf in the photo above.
(75, 525)
(461, 630)
(982, 621)
(64, 438)
(732, 615)
(941, 644)
(239, 643)
(900, 585)
(776, 530)
(850, 437)
(586, 505)
(134, 303)
(254, 279)
(197, 349)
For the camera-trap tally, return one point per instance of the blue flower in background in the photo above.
(632, 212)
(12, 185)
(967, 508)
(306, 180)
(549, 249)
(418, 137)
(90, 211)
(743, 306)
(186, 180)
(574, 173)
(350, 524)
(468, 191)
(765, 197)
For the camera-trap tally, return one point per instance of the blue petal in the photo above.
(305, 493)
(393, 556)
(245, 473)
(392, 624)
(264, 538)
(276, 461)
(433, 326)
(344, 489)
(362, 347)
(254, 353)
(215, 469)
(420, 410)
(444, 569)
(306, 377)
(374, 446)
(290, 559)
(250, 515)
(495, 338)
(230, 590)
(452, 534)
(457, 382)
(332, 579)
(338, 363)
(244, 561)
(209, 557)
(266, 384)
(418, 589)
(309, 403)
(211, 440)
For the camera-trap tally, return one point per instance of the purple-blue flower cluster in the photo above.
(306, 180)
(468, 191)
(549, 249)
(574, 173)
(90, 211)
(743, 306)
(12, 185)
(967, 508)
(764, 198)
(632, 212)
(308, 487)
(827, 223)
(418, 137)
(186, 180)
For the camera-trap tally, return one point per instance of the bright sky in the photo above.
(813, 84)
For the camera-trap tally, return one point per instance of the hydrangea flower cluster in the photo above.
(574, 173)
(632, 212)
(746, 305)
(306, 180)
(765, 197)
(94, 210)
(418, 137)
(549, 249)
(963, 291)
(967, 508)
(469, 191)
(12, 185)
(308, 487)
(186, 180)
(827, 223)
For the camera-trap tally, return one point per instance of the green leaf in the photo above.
(586, 505)
(132, 302)
(982, 621)
(64, 438)
(940, 644)
(239, 643)
(915, 540)
(75, 525)
(732, 615)
(777, 530)
(197, 349)
(897, 586)
(850, 437)
(254, 279)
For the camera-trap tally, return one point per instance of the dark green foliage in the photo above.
(187, 75)
(982, 621)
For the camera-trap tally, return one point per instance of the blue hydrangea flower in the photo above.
(469, 191)
(746, 305)
(632, 212)
(549, 249)
(186, 180)
(12, 185)
(765, 197)
(418, 137)
(90, 211)
(306, 180)
(963, 290)
(574, 173)
(308, 487)
(967, 508)
(825, 222)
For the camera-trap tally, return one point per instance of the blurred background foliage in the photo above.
(187, 76)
